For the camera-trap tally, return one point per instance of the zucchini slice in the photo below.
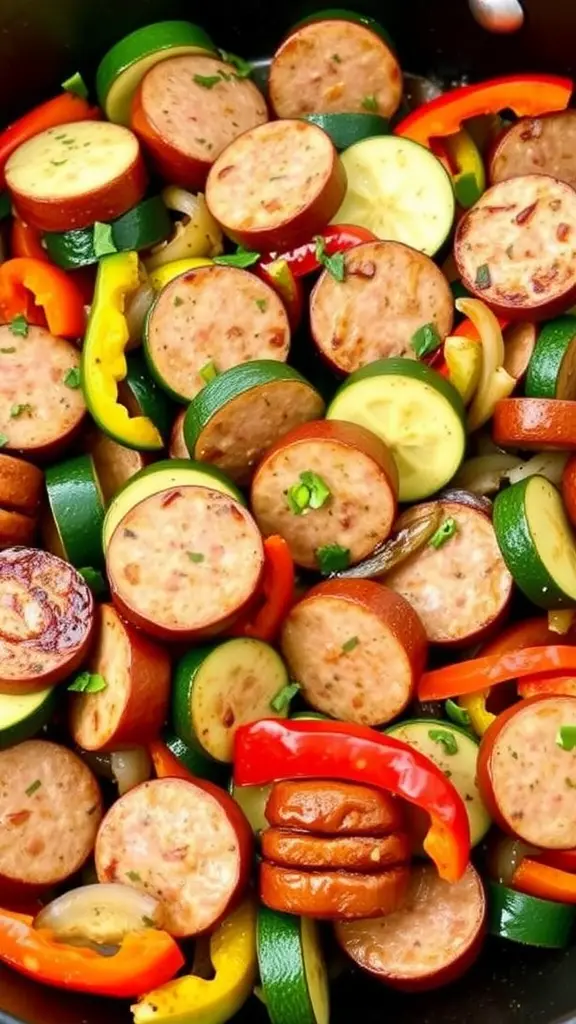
(293, 972)
(140, 228)
(537, 542)
(416, 412)
(243, 411)
(123, 67)
(527, 919)
(23, 715)
(347, 129)
(455, 752)
(191, 758)
(77, 506)
(552, 367)
(252, 801)
(219, 687)
(163, 476)
(400, 191)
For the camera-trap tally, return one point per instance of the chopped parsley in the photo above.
(72, 378)
(370, 103)
(445, 531)
(207, 81)
(350, 644)
(242, 258)
(19, 410)
(281, 701)
(3, 440)
(195, 556)
(483, 278)
(59, 163)
(178, 301)
(19, 327)
(102, 240)
(311, 492)
(208, 372)
(456, 714)
(566, 737)
(425, 340)
(7, 351)
(466, 190)
(88, 682)
(446, 739)
(134, 876)
(33, 787)
(262, 304)
(333, 264)
(243, 68)
(332, 558)
(76, 85)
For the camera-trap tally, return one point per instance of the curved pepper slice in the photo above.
(304, 259)
(269, 751)
(193, 1000)
(103, 355)
(544, 882)
(144, 959)
(162, 275)
(277, 593)
(62, 109)
(526, 95)
(481, 673)
(26, 241)
(27, 283)
(289, 287)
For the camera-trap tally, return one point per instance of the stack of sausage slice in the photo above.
(334, 851)
(20, 491)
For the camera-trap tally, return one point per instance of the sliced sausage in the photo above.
(20, 485)
(187, 843)
(389, 292)
(184, 562)
(55, 186)
(114, 464)
(342, 853)
(41, 403)
(537, 145)
(277, 185)
(178, 449)
(362, 481)
(16, 529)
(333, 808)
(462, 589)
(428, 942)
(523, 772)
(333, 895)
(515, 248)
(50, 810)
(46, 621)
(357, 649)
(214, 316)
(334, 66)
(188, 109)
(132, 708)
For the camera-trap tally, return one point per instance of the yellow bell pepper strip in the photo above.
(475, 704)
(193, 1000)
(468, 174)
(104, 359)
(463, 358)
(161, 276)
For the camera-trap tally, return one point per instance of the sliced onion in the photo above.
(468, 498)
(130, 768)
(505, 855)
(414, 529)
(197, 234)
(136, 311)
(485, 473)
(561, 621)
(100, 913)
(495, 382)
(548, 464)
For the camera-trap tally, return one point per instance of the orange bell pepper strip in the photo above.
(27, 283)
(482, 673)
(526, 95)
(62, 109)
(25, 241)
(166, 765)
(144, 959)
(264, 622)
(544, 882)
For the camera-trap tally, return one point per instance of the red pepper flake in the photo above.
(526, 215)
(562, 232)
(170, 498)
(366, 269)
(225, 171)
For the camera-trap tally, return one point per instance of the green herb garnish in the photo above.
(148, 922)
(134, 876)
(445, 531)
(242, 258)
(19, 327)
(310, 493)
(350, 644)
(456, 714)
(3, 440)
(102, 240)
(72, 378)
(77, 85)
(566, 737)
(243, 68)
(88, 682)
(332, 558)
(281, 701)
(483, 278)
(262, 304)
(6, 351)
(370, 103)
(208, 372)
(195, 556)
(333, 264)
(446, 739)
(33, 787)
(19, 410)
(425, 340)
(207, 81)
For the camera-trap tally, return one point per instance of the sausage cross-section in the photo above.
(537, 145)
(333, 808)
(364, 854)
(50, 810)
(333, 895)
(46, 620)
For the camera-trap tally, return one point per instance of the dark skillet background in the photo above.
(42, 42)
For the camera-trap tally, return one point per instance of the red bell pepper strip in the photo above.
(25, 281)
(144, 960)
(271, 750)
(25, 241)
(62, 109)
(563, 859)
(544, 882)
(265, 621)
(526, 95)
(290, 289)
(481, 673)
(534, 632)
(303, 260)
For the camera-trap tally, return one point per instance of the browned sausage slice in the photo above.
(333, 808)
(20, 485)
(333, 895)
(46, 620)
(15, 529)
(389, 292)
(334, 66)
(50, 810)
(537, 145)
(342, 853)
(515, 248)
(430, 941)
(188, 844)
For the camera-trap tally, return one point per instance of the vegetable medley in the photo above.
(287, 497)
